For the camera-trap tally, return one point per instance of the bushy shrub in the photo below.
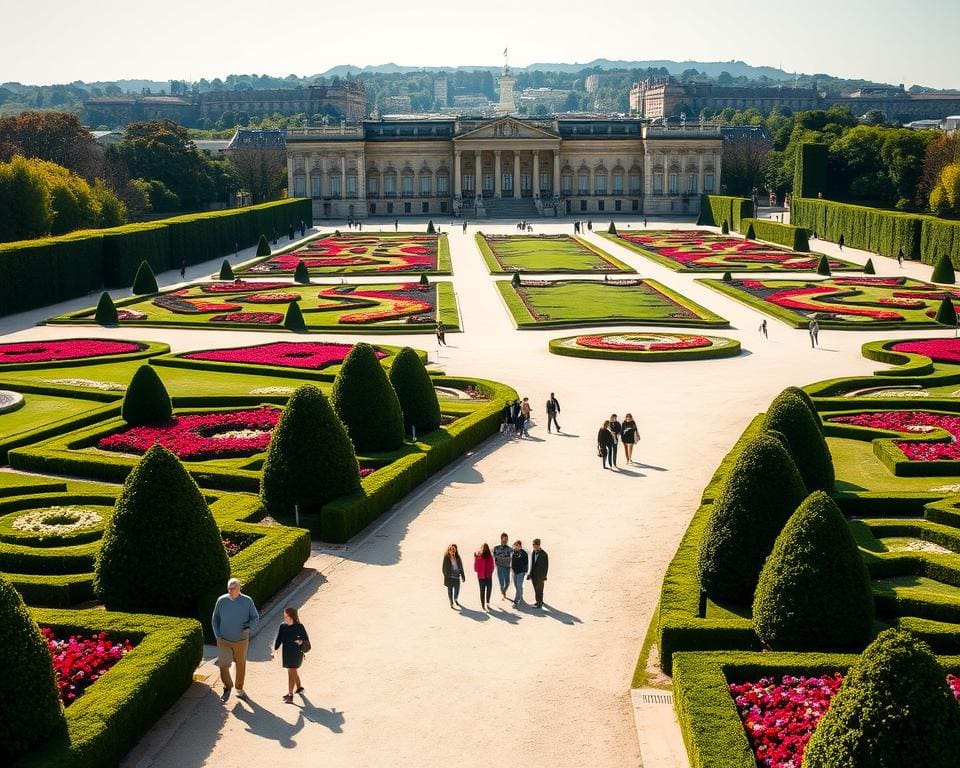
(423, 279)
(725, 228)
(29, 704)
(868, 268)
(418, 398)
(310, 460)
(301, 274)
(431, 230)
(727, 277)
(365, 401)
(823, 266)
(263, 246)
(893, 709)
(751, 233)
(106, 313)
(807, 401)
(612, 229)
(791, 415)
(814, 590)
(293, 320)
(226, 272)
(515, 280)
(161, 551)
(146, 400)
(943, 271)
(145, 281)
(946, 313)
(762, 490)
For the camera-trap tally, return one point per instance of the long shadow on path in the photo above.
(328, 718)
(263, 723)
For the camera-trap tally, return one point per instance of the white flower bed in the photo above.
(272, 391)
(57, 520)
(105, 386)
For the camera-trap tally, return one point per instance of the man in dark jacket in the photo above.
(553, 408)
(539, 562)
(518, 564)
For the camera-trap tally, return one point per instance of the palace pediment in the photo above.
(506, 128)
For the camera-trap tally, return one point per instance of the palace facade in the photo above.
(504, 167)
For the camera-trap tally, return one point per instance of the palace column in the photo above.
(457, 179)
(516, 173)
(496, 174)
(716, 174)
(343, 176)
(556, 172)
(699, 170)
(536, 173)
(361, 178)
(477, 173)
(647, 173)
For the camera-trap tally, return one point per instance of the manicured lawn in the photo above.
(359, 253)
(544, 304)
(693, 250)
(545, 253)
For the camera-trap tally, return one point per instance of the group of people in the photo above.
(524, 226)
(578, 227)
(614, 433)
(510, 563)
(441, 333)
(351, 223)
(516, 418)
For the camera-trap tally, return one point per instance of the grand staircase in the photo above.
(511, 208)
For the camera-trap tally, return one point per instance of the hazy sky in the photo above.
(51, 41)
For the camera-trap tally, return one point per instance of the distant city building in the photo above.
(257, 138)
(440, 91)
(552, 98)
(393, 105)
(471, 102)
(592, 83)
(507, 82)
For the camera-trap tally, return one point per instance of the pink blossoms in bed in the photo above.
(312, 355)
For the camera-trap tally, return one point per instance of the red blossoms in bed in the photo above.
(80, 661)
(63, 349)
(312, 355)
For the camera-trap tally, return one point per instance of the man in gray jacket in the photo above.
(234, 618)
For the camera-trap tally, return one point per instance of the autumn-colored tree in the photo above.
(940, 153)
(55, 136)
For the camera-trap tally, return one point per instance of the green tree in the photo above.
(146, 400)
(301, 274)
(106, 311)
(789, 415)
(58, 137)
(366, 402)
(415, 391)
(226, 272)
(943, 271)
(294, 320)
(26, 208)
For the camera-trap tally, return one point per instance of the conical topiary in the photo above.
(294, 321)
(365, 401)
(515, 280)
(146, 400)
(947, 313)
(226, 272)
(727, 277)
(762, 490)
(263, 246)
(823, 266)
(29, 703)
(145, 281)
(868, 268)
(301, 274)
(106, 313)
(790, 415)
(893, 709)
(414, 388)
(161, 551)
(612, 229)
(423, 279)
(725, 228)
(943, 271)
(814, 590)
(431, 230)
(751, 233)
(807, 401)
(310, 460)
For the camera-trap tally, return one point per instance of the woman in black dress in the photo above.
(629, 434)
(605, 444)
(453, 574)
(291, 637)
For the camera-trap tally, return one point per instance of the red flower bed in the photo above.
(272, 298)
(915, 422)
(200, 436)
(240, 285)
(617, 343)
(79, 661)
(235, 543)
(179, 304)
(312, 355)
(939, 350)
(409, 299)
(63, 349)
(261, 318)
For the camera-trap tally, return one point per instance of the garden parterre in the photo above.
(646, 347)
(545, 253)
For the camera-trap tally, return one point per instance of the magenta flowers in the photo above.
(80, 661)
(913, 422)
(63, 349)
(939, 350)
(312, 355)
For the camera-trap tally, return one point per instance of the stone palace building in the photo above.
(504, 167)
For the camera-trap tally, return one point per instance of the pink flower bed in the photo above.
(913, 422)
(200, 436)
(64, 349)
(80, 661)
(409, 299)
(272, 298)
(312, 355)
(254, 318)
(620, 344)
(240, 285)
(940, 350)
(178, 303)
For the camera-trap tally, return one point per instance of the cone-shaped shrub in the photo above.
(814, 590)
(145, 281)
(365, 402)
(301, 274)
(946, 313)
(146, 400)
(161, 551)
(310, 460)
(725, 228)
(868, 268)
(431, 230)
(226, 271)
(751, 233)
(823, 266)
(263, 246)
(29, 704)
(762, 490)
(106, 313)
(423, 279)
(418, 398)
(612, 229)
(807, 401)
(293, 320)
(789, 414)
(943, 271)
(515, 280)
(727, 277)
(893, 709)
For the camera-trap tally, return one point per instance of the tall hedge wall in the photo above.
(870, 229)
(939, 236)
(810, 170)
(36, 273)
(714, 209)
(774, 232)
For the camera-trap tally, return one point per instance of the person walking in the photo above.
(515, 418)
(605, 443)
(525, 411)
(396, 225)
(900, 257)
(629, 435)
(234, 618)
(303, 228)
(519, 562)
(840, 241)
(615, 428)
(464, 226)
(502, 555)
(539, 563)
(453, 574)
(644, 222)
(553, 408)
(590, 225)
(814, 330)
(483, 565)
(441, 333)
(763, 327)
(293, 641)
(183, 268)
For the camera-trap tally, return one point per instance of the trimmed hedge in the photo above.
(716, 209)
(414, 388)
(794, 238)
(226, 272)
(869, 229)
(943, 271)
(940, 237)
(366, 402)
(301, 274)
(823, 266)
(294, 320)
(146, 400)
(106, 311)
(791, 415)
(145, 281)
(810, 170)
(947, 313)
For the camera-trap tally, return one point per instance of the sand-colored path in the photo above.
(397, 678)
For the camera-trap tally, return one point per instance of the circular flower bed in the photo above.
(63, 349)
(79, 662)
(200, 436)
(646, 347)
(57, 521)
(10, 401)
(312, 355)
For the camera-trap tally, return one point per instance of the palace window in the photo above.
(315, 185)
(634, 183)
(334, 186)
(600, 183)
(373, 186)
(407, 187)
(390, 184)
(426, 185)
(673, 181)
(708, 182)
(692, 183)
(600, 203)
(617, 205)
(658, 183)
(468, 182)
(507, 182)
(545, 182)
(618, 184)
(525, 183)
(424, 207)
(583, 184)
(299, 186)
(566, 184)
(488, 183)
(352, 185)
(443, 184)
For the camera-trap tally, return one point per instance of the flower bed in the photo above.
(646, 346)
(913, 422)
(235, 543)
(938, 350)
(311, 355)
(238, 286)
(250, 318)
(80, 661)
(643, 343)
(63, 349)
(200, 436)
(56, 521)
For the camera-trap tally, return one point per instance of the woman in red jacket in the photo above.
(483, 565)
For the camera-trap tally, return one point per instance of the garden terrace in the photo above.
(646, 347)
(545, 253)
